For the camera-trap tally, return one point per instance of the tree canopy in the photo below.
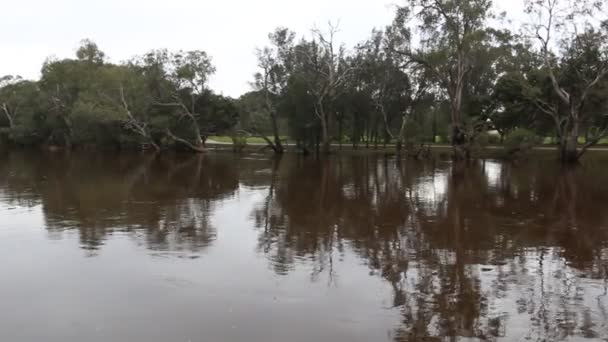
(451, 71)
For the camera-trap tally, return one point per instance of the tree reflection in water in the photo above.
(165, 202)
(483, 250)
(480, 250)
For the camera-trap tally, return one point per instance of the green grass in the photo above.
(258, 140)
(581, 140)
(250, 140)
(222, 139)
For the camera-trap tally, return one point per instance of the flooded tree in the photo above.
(454, 35)
(325, 73)
(275, 64)
(578, 71)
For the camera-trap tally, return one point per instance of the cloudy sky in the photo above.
(229, 30)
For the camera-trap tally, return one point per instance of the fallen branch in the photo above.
(197, 149)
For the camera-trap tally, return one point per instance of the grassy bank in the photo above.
(438, 151)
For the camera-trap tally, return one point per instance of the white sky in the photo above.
(229, 30)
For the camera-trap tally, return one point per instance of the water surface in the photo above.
(99, 247)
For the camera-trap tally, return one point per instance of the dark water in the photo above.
(223, 248)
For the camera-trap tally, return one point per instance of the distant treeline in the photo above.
(449, 70)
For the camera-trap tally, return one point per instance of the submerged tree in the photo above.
(453, 34)
(326, 71)
(275, 64)
(124, 90)
(184, 77)
(399, 86)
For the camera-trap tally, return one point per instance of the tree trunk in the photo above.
(8, 115)
(278, 145)
(198, 145)
(325, 142)
(399, 146)
(154, 146)
(340, 134)
(375, 136)
(434, 140)
(67, 133)
(459, 143)
(401, 134)
(194, 147)
(143, 132)
(569, 144)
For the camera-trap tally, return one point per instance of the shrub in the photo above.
(239, 140)
(521, 140)
(482, 139)
(494, 139)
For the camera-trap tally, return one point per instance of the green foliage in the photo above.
(521, 140)
(239, 139)
(254, 113)
(483, 139)
(94, 125)
(87, 101)
(457, 78)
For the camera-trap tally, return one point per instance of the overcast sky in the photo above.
(229, 30)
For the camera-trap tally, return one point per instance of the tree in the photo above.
(274, 63)
(62, 82)
(400, 86)
(124, 90)
(179, 82)
(452, 31)
(299, 106)
(576, 70)
(10, 99)
(519, 69)
(22, 108)
(191, 71)
(327, 71)
(90, 52)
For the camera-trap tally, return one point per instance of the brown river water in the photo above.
(218, 247)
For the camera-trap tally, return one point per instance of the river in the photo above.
(220, 247)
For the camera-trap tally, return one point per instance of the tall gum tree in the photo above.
(274, 63)
(573, 44)
(452, 32)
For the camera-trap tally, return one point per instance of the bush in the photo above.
(494, 139)
(479, 143)
(521, 140)
(482, 139)
(239, 140)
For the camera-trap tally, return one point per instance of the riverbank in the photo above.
(436, 150)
